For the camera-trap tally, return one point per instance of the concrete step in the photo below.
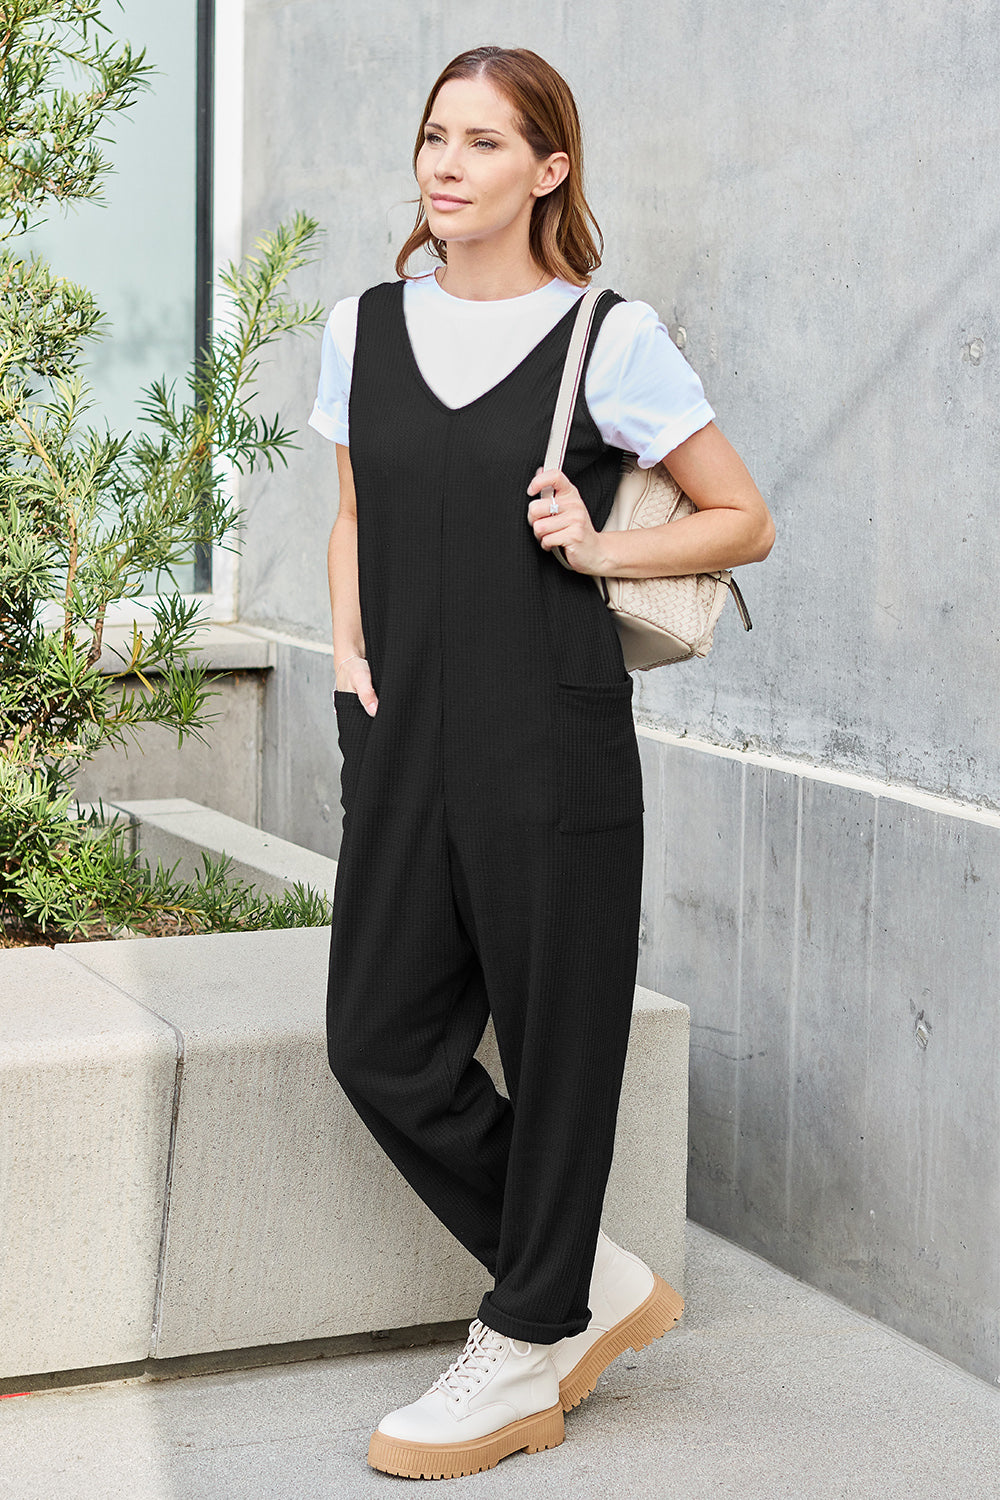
(175, 831)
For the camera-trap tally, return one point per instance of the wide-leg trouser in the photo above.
(441, 920)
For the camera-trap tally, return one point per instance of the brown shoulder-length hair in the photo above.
(564, 236)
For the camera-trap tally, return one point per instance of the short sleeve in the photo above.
(642, 393)
(333, 393)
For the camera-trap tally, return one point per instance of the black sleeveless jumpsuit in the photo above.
(492, 850)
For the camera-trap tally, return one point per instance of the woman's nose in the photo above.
(447, 165)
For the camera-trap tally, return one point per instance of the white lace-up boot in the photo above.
(630, 1306)
(499, 1396)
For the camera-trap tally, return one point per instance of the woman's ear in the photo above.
(554, 171)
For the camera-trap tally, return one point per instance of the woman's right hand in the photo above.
(354, 676)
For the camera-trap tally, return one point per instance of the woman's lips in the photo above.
(448, 205)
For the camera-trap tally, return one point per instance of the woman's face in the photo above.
(477, 175)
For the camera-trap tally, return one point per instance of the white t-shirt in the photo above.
(643, 395)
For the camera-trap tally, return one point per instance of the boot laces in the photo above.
(482, 1350)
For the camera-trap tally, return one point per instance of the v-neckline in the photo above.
(433, 396)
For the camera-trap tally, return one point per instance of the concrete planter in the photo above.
(180, 1173)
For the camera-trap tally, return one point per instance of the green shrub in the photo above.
(86, 514)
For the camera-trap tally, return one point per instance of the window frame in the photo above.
(219, 234)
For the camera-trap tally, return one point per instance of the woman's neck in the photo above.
(491, 277)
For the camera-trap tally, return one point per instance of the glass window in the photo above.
(137, 251)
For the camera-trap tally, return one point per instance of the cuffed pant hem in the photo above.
(526, 1330)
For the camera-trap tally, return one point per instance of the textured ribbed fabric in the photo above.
(492, 852)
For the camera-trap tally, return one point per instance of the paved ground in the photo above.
(766, 1390)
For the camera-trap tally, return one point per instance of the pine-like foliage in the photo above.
(86, 514)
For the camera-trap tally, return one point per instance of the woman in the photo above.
(492, 849)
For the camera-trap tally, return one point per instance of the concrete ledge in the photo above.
(647, 1191)
(231, 1361)
(223, 648)
(175, 831)
(181, 1174)
(286, 1220)
(86, 1095)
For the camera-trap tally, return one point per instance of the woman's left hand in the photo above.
(571, 529)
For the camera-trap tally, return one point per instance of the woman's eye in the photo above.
(490, 145)
(431, 138)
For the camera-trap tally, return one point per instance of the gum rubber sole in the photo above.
(447, 1461)
(650, 1321)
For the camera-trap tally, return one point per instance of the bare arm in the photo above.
(353, 673)
(731, 526)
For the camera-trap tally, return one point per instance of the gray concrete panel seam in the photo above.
(161, 1259)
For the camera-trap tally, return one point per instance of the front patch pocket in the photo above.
(598, 770)
(352, 732)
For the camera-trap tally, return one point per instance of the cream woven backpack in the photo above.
(659, 620)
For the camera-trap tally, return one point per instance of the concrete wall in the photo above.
(809, 196)
(838, 944)
(223, 766)
(300, 766)
(269, 757)
(222, 770)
